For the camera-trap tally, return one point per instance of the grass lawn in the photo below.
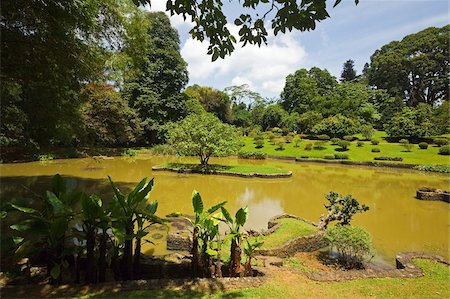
(283, 283)
(246, 169)
(290, 229)
(355, 153)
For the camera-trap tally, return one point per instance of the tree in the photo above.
(442, 118)
(348, 71)
(155, 92)
(304, 88)
(241, 117)
(336, 126)
(203, 136)
(242, 93)
(214, 101)
(412, 122)
(210, 22)
(107, 118)
(415, 68)
(49, 49)
(273, 117)
(365, 70)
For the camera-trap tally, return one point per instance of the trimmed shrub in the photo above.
(384, 158)
(341, 156)
(440, 141)
(375, 141)
(367, 131)
(259, 143)
(348, 138)
(319, 145)
(297, 139)
(329, 157)
(376, 150)
(353, 245)
(252, 155)
(277, 131)
(323, 137)
(423, 145)
(344, 144)
(334, 141)
(288, 139)
(360, 143)
(434, 168)
(280, 144)
(308, 146)
(405, 143)
(444, 150)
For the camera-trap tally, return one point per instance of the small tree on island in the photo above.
(203, 136)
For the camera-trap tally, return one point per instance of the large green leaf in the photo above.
(57, 206)
(24, 226)
(197, 202)
(24, 209)
(58, 185)
(227, 215)
(241, 216)
(216, 207)
(152, 207)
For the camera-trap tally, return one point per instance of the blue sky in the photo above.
(352, 32)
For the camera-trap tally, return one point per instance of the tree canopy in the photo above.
(415, 68)
(215, 101)
(348, 71)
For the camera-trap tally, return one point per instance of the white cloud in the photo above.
(264, 68)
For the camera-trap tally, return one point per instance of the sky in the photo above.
(351, 32)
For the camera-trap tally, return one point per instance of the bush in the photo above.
(252, 155)
(344, 144)
(271, 136)
(341, 156)
(308, 146)
(348, 138)
(444, 150)
(163, 149)
(367, 131)
(434, 168)
(375, 150)
(288, 139)
(255, 133)
(384, 158)
(129, 152)
(334, 141)
(319, 145)
(280, 144)
(323, 137)
(423, 145)
(297, 139)
(375, 141)
(405, 143)
(277, 131)
(360, 143)
(259, 143)
(336, 126)
(304, 157)
(440, 141)
(329, 157)
(353, 245)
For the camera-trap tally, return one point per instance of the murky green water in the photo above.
(396, 220)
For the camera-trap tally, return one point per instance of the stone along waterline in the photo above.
(396, 220)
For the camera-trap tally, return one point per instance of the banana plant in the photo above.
(48, 227)
(235, 234)
(128, 210)
(199, 223)
(249, 249)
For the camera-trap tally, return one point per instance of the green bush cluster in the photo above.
(434, 168)
(323, 137)
(444, 150)
(360, 143)
(441, 141)
(252, 155)
(334, 141)
(384, 158)
(319, 145)
(376, 150)
(344, 144)
(340, 156)
(375, 141)
(423, 145)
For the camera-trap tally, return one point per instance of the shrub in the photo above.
(163, 149)
(319, 145)
(255, 133)
(348, 138)
(376, 150)
(440, 141)
(252, 155)
(323, 137)
(384, 158)
(375, 141)
(304, 157)
(277, 131)
(360, 143)
(434, 168)
(353, 245)
(297, 140)
(259, 143)
(288, 139)
(337, 125)
(341, 156)
(270, 136)
(334, 141)
(129, 152)
(329, 157)
(344, 144)
(423, 145)
(367, 131)
(280, 144)
(308, 146)
(405, 143)
(444, 150)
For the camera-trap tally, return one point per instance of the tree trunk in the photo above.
(136, 260)
(218, 265)
(127, 262)
(195, 254)
(91, 266)
(102, 257)
(235, 259)
(77, 268)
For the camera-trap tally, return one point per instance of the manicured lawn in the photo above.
(289, 229)
(283, 283)
(355, 153)
(246, 169)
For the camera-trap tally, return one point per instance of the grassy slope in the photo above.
(229, 168)
(289, 229)
(416, 156)
(287, 284)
